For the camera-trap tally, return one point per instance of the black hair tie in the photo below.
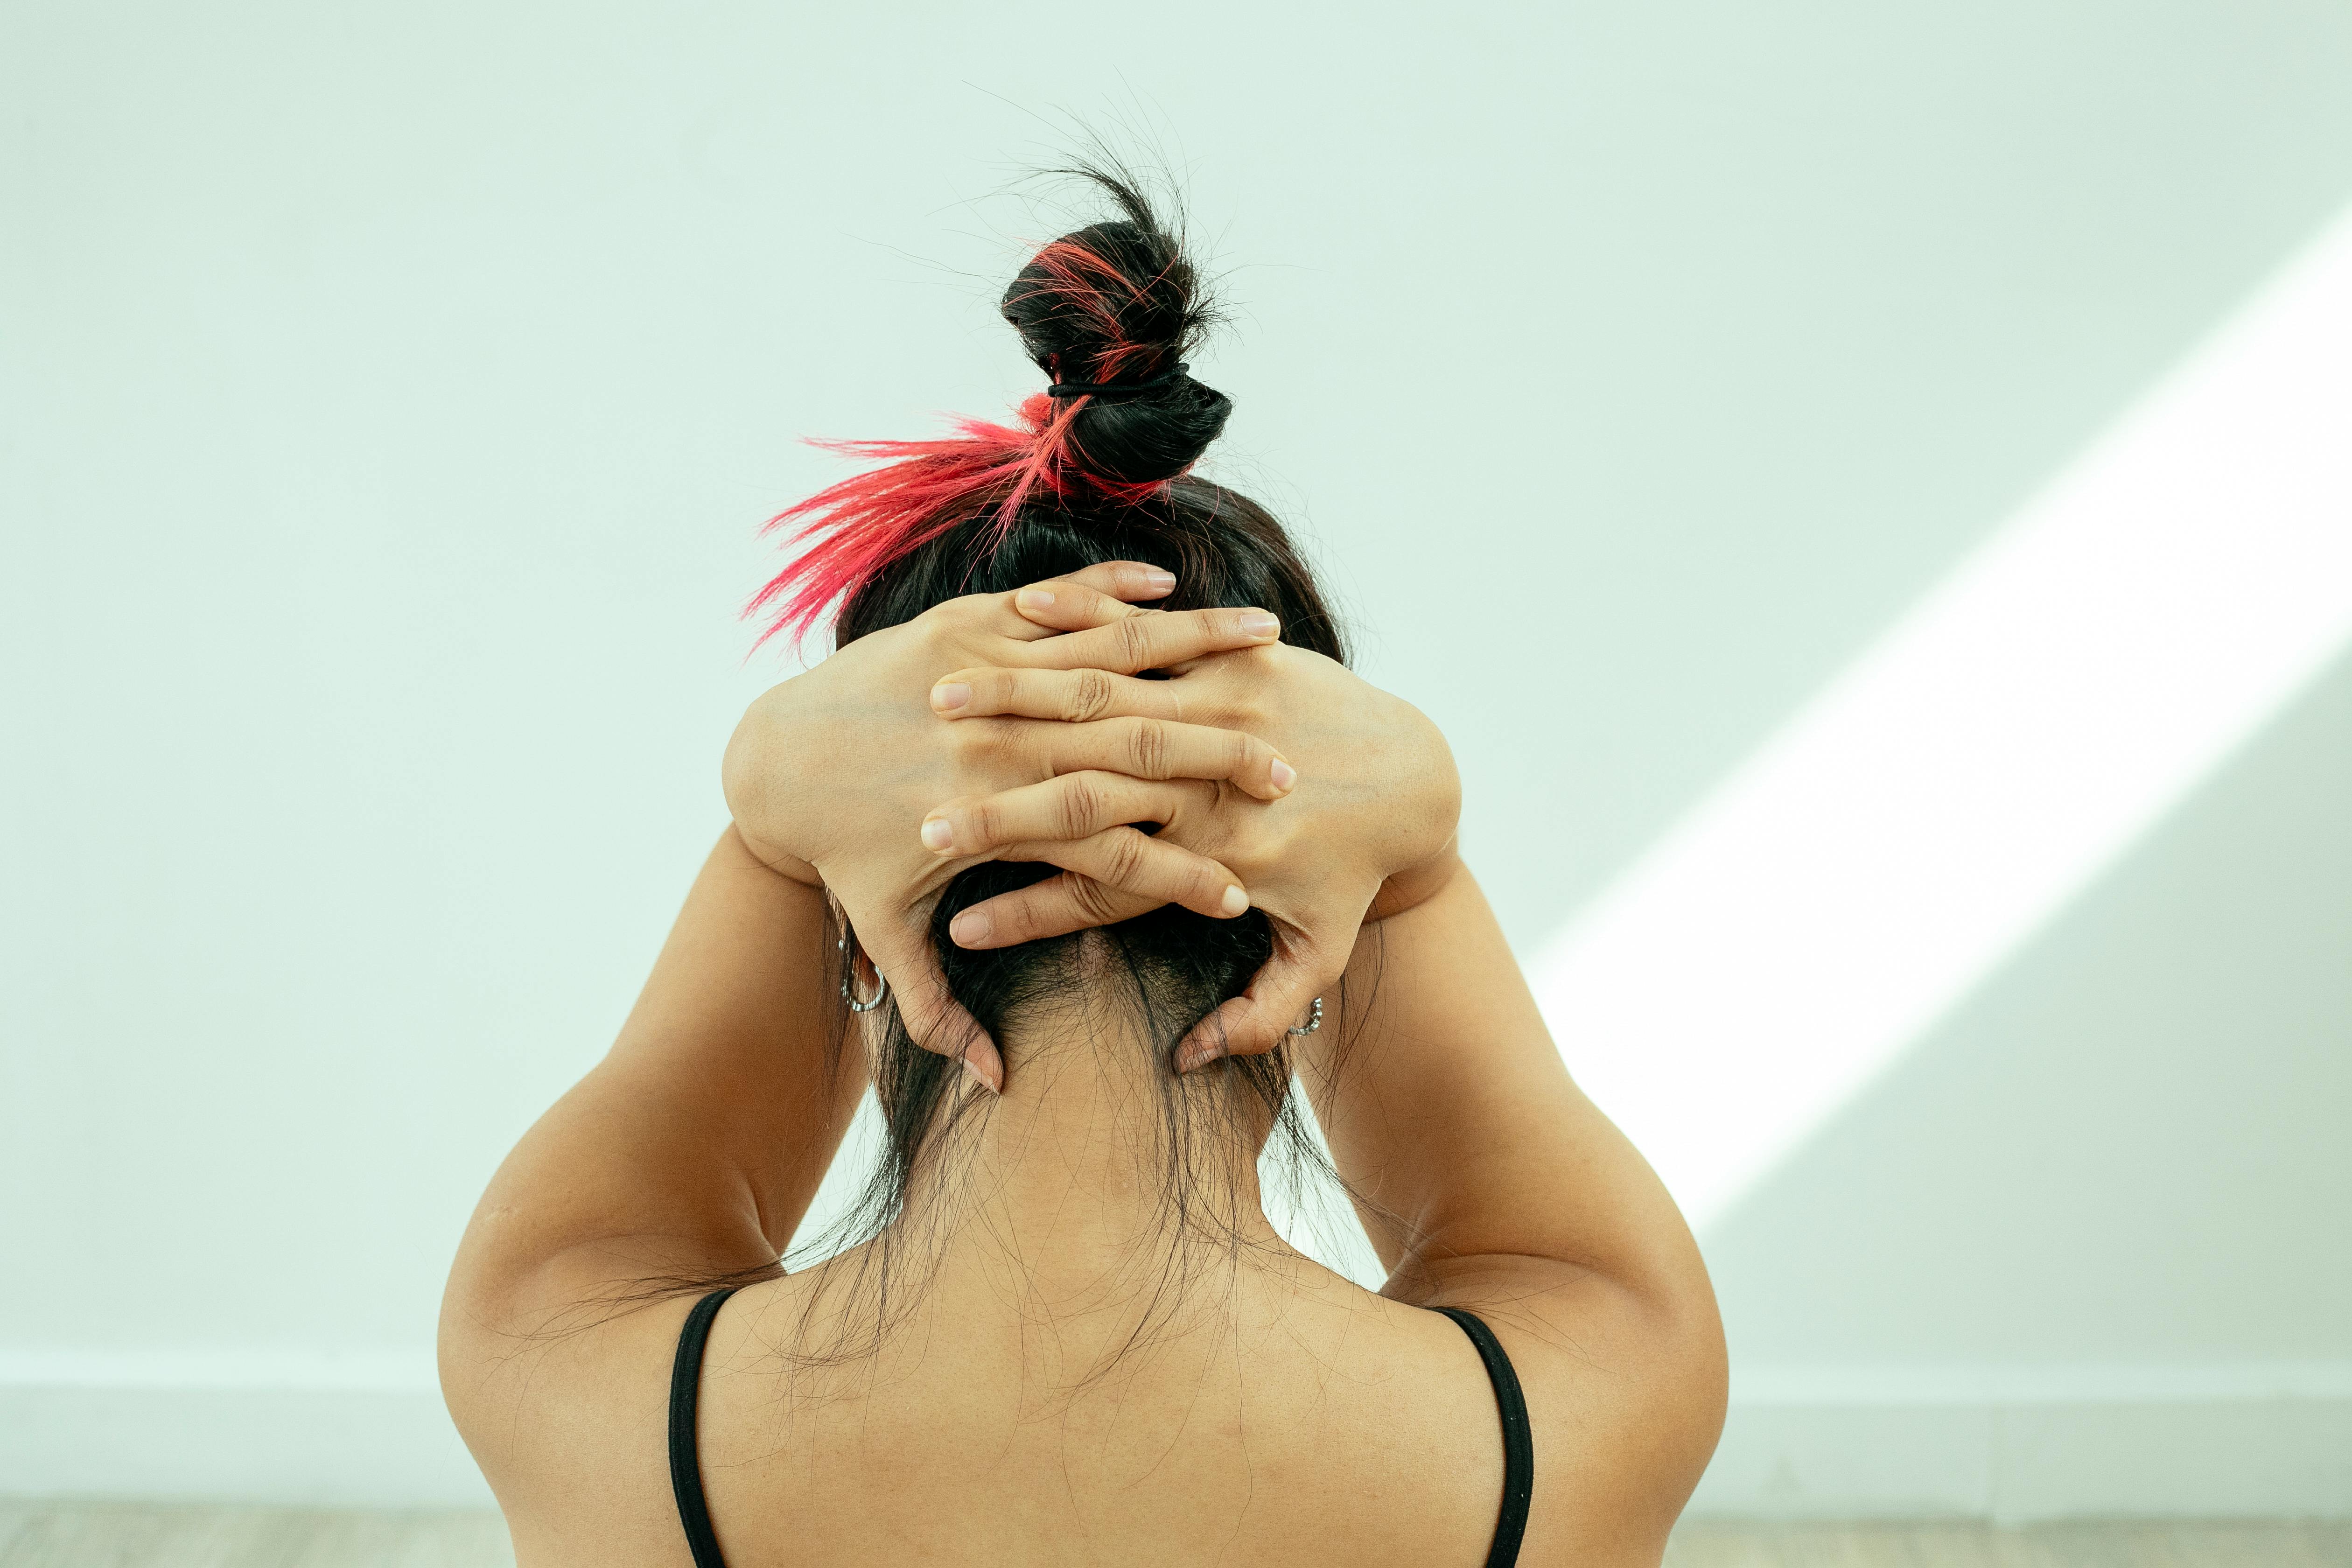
(1117, 388)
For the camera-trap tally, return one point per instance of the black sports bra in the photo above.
(694, 1510)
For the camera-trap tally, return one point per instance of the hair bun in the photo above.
(1109, 312)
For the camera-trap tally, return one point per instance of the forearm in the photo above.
(739, 1033)
(1452, 1112)
(698, 1142)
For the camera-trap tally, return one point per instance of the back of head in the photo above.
(1097, 469)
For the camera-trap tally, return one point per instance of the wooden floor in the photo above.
(144, 1535)
(2236, 1544)
(149, 1535)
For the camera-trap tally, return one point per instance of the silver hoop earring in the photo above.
(1314, 1019)
(849, 971)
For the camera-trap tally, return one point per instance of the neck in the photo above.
(1096, 1159)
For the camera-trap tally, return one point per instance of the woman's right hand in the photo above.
(829, 775)
(1367, 830)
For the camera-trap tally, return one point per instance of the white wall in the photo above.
(388, 403)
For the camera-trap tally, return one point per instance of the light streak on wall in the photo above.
(2040, 709)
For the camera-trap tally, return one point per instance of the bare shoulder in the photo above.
(507, 1373)
(559, 1381)
(1625, 1392)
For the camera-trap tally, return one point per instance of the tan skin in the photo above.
(1289, 1418)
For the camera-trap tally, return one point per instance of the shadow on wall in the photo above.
(2085, 1239)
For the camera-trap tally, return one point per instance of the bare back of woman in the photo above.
(1323, 1426)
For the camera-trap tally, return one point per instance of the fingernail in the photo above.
(1235, 901)
(1196, 1057)
(1033, 599)
(938, 834)
(1258, 623)
(1154, 577)
(971, 1071)
(1284, 775)
(950, 695)
(971, 926)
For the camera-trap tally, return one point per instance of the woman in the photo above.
(1069, 1335)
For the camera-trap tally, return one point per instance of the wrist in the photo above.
(759, 789)
(791, 868)
(1416, 886)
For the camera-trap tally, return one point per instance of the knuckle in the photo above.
(1018, 917)
(1089, 696)
(1019, 691)
(992, 690)
(1134, 637)
(992, 762)
(952, 622)
(1124, 857)
(1080, 801)
(1253, 667)
(1001, 741)
(1010, 741)
(1147, 746)
(1093, 900)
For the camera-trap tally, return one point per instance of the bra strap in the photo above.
(1518, 1448)
(685, 1453)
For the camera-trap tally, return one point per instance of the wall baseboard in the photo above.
(365, 1446)
(2018, 1445)
(1823, 1443)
